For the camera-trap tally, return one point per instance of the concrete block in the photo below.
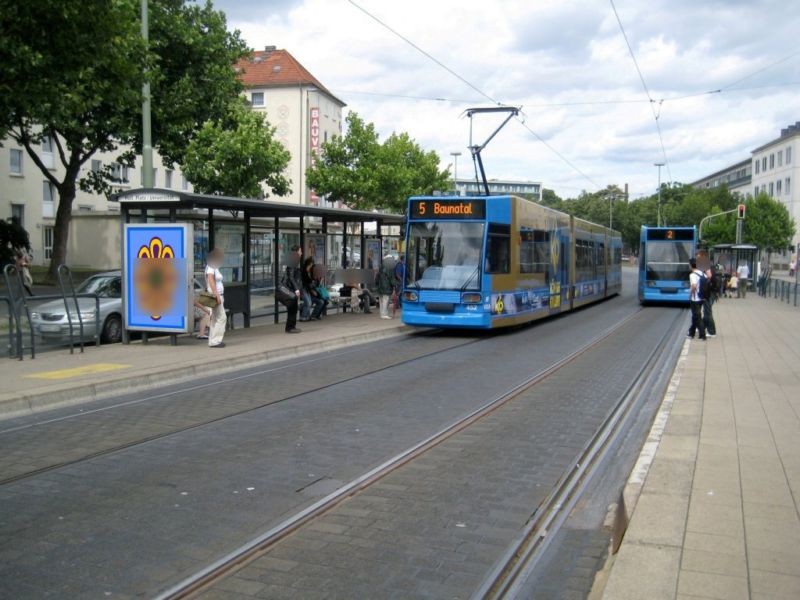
(644, 571)
(713, 585)
(658, 519)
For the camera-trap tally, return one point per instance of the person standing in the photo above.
(23, 266)
(384, 283)
(400, 278)
(215, 286)
(743, 273)
(708, 296)
(293, 280)
(696, 302)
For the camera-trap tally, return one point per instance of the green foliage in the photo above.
(365, 174)
(235, 155)
(13, 237)
(75, 70)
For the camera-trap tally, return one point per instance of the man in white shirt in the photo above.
(743, 272)
(696, 302)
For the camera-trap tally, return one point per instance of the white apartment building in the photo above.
(27, 194)
(776, 171)
(737, 177)
(470, 187)
(303, 111)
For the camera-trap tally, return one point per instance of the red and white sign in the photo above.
(315, 146)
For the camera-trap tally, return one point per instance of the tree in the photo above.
(236, 155)
(73, 72)
(363, 173)
(768, 224)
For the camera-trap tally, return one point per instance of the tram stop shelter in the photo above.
(730, 256)
(256, 237)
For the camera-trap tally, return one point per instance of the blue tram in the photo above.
(664, 255)
(496, 261)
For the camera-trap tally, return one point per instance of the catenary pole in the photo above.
(147, 142)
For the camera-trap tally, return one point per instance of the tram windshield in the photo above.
(445, 255)
(668, 261)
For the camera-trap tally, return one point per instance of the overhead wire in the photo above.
(653, 103)
(473, 87)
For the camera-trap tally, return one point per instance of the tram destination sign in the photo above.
(448, 209)
(671, 235)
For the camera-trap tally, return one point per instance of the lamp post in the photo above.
(659, 165)
(147, 143)
(455, 156)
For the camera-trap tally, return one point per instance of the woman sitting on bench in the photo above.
(361, 299)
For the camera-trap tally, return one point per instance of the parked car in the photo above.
(50, 321)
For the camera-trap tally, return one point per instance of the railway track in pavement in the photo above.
(546, 517)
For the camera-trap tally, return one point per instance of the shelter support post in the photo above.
(276, 268)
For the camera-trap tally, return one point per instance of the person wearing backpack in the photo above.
(708, 293)
(696, 302)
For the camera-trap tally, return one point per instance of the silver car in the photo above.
(50, 321)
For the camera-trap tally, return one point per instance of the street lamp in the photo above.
(455, 156)
(659, 165)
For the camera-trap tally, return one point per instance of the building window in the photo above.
(771, 189)
(85, 208)
(168, 178)
(257, 98)
(764, 164)
(96, 165)
(48, 199)
(780, 158)
(788, 155)
(47, 144)
(758, 166)
(184, 183)
(16, 161)
(18, 214)
(47, 232)
(120, 173)
(788, 185)
(778, 187)
(771, 161)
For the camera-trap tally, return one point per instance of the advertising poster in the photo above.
(156, 278)
(315, 248)
(373, 254)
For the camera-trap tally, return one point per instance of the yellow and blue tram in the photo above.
(495, 261)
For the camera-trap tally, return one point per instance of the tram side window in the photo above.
(534, 251)
(584, 260)
(498, 249)
(601, 258)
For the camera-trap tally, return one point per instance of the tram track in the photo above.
(507, 578)
(262, 544)
(229, 415)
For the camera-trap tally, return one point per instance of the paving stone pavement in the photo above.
(132, 522)
(435, 527)
(719, 513)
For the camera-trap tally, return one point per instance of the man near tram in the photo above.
(696, 302)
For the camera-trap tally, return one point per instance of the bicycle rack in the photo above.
(64, 278)
(16, 302)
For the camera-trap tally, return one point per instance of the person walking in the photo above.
(696, 302)
(215, 286)
(400, 278)
(23, 266)
(743, 273)
(384, 283)
(293, 279)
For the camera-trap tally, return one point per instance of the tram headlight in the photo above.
(410, 296)
(471, 298)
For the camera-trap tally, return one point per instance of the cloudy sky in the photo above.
(566, 63)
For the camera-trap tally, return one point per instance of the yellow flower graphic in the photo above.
(156, 277)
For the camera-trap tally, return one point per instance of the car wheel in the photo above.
(112, 330)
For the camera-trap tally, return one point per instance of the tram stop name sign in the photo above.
(157, 287)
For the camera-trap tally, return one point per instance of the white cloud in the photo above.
(550, 52)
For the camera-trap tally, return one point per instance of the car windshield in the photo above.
(668, 261)
(445, 255)
(105, 286)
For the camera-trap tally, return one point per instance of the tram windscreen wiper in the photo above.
(471, 277)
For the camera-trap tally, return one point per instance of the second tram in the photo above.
(664, 255)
